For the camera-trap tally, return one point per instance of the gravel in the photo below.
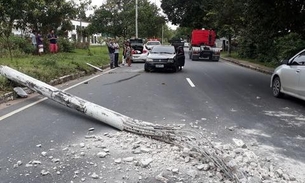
(125, 157)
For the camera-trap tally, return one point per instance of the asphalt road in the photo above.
(216, 95)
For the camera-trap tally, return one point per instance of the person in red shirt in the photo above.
(52, 37)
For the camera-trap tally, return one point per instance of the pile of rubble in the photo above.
(124, 157)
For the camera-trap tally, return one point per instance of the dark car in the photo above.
(165, 57)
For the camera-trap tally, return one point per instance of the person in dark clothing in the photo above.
(116, 53)
(39, 42)
(52, 37)
(111, 53)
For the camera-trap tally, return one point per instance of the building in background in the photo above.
(75, 35)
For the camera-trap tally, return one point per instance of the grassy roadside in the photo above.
(234, 55)
(51, 66)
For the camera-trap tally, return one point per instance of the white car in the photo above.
(151, 44)
(289, 78)
(139, 52)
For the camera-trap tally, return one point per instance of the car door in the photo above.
(289, 78)
(300, 71)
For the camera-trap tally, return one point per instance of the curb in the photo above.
(249, 65)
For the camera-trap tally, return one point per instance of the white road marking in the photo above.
(43, 99)
(190, 82)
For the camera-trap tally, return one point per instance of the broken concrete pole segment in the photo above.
(170, 134)
(20, 92)
(100, 113)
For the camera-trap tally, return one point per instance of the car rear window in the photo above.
(136, 40)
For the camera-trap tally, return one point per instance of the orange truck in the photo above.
(203, 45)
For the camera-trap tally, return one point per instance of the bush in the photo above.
(270, 51)
(289, 45)
(19, 46)
(65, 45)
(81, 45)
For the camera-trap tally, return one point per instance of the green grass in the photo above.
(52, 66)
(236, 56)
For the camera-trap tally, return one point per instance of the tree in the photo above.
(265, 22)
(227, 21)
(117, 18)
(11, 16)
(188, 13)
(183, 32)
(257, 24)
(46, 15)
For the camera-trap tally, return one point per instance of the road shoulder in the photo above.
(250, 65)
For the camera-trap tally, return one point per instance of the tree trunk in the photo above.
(229, 44)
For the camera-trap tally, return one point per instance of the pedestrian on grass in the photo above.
(52, 37)
(39, 41)
(111, 53)
(116, 53)
(33, 36)
(33, 39)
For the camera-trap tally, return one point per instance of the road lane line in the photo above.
(21, 109)
(190, 82)
(45, 98)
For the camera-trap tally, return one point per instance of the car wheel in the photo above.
(276, 87)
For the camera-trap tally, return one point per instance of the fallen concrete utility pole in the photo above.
(100, 113)
(169, 134)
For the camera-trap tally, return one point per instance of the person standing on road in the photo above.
(116, 53)
(111, 53)
(128, 54)
(52, 37)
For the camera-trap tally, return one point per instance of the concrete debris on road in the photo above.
(20, 92)
(162, 162)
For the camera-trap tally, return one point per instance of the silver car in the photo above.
(289, 78)
(150, 44)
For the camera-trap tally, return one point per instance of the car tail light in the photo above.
(133, 52)
(144, 51)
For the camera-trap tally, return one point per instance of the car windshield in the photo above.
(163, 49)
(153, 43)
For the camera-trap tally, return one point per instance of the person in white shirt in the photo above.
(116, 53)
(33, 39)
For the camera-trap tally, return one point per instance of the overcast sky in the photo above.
(157, 2)
(100, 2)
